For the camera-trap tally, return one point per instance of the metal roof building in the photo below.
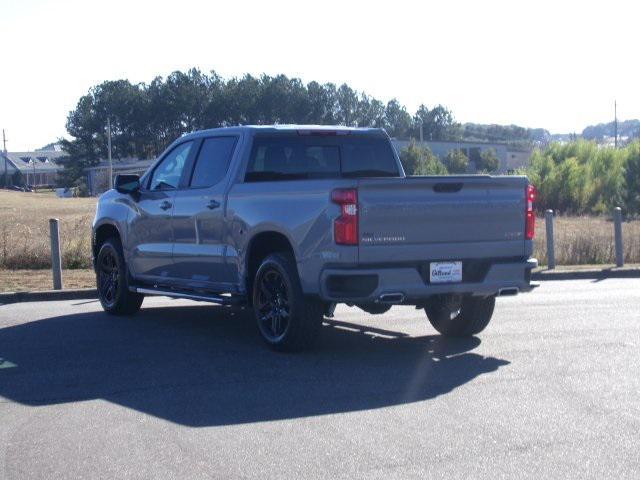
(98, 176)
(38, 168)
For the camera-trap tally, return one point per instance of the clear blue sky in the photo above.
(552, 64)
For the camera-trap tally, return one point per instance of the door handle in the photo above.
(165, 205)
(213, 204)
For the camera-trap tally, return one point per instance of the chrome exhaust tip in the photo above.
(391, 298)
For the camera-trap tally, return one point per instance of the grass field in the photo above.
(587, 240)
(24, 229)
(24, 239)
(37, 280)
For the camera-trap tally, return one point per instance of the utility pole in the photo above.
(6, 169)
(615, 123)
(33, 164)
(109, 148)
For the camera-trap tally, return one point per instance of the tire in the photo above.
(112, 280)
(374, 308)
(463, 317)
(287, 320)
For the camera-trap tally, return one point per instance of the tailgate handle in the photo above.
(447, 187)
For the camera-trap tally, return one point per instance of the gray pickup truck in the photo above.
(292, 220)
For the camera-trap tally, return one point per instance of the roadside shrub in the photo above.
(432, 166)
(410, 158)
(632, 177)
(488, 161)
(456, 161)
(417, 160)
(583, 178)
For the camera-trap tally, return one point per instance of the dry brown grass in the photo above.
(24, 229)
(36, 280)
(587, 240)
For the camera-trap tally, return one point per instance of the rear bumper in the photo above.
(365, 285)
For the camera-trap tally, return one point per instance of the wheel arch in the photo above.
(101, 233)
(261, 245)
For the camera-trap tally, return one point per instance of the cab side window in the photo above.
(213, 161)
(166, 175)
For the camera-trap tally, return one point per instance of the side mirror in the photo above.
(127, 183)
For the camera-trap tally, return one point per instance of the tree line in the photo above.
(146, 117)
(512, 134)
(626, 129)
(584, 178)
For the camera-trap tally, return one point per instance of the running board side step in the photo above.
(201, 297)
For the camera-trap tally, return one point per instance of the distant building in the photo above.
(98, 176)
(36, 169)
(518, 158)
(509, 159)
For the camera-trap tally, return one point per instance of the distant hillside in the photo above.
(563, 137)
(504, 133)
(626, 128)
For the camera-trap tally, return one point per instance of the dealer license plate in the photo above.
(445, 272)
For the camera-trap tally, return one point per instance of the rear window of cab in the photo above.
(299, 157)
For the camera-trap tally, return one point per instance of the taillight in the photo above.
(530, 225)
(345, 227)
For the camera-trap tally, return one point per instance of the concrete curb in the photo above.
(48, 295)
(586, 274)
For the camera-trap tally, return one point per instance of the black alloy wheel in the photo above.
(108, 283)
(112, 280)
(273, 309)
(287, 319)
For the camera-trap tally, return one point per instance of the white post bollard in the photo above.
(56, 260)
(617, 218)
(551, 254)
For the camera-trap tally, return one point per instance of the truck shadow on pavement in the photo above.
(205, 366)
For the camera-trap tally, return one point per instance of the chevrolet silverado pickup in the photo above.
(292, 220)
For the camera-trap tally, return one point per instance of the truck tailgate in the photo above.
(441, 218)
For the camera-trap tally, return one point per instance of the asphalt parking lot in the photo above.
(187, 390)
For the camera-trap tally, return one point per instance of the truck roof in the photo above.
(287, 128)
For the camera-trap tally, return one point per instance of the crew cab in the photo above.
(292, 220)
